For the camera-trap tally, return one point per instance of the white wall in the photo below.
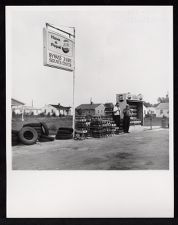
(100, 110)
(165, 112)
(48, 109)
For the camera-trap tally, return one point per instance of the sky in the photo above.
(117, 50)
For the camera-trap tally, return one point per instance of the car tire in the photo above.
(64, 132)
(15, 138)
(28, 135)
(15, 132)
(14, 143)
(64, 137)
(45, 129)
(45, 138)
(67, 129)
(32, 125)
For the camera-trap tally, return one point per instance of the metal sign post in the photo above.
(151, 118)
(22, 113)
(59, 52)
(73, 121)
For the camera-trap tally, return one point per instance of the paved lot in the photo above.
(138, 150)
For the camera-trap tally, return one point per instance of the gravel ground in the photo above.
(141, 149)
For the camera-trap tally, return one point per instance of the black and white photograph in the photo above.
(90, 89)
(94, 96)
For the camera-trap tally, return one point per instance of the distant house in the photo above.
(151, 110)
(17, 106)
(91, 109)
(145, 111)
(57, 110)
(162, 109)
(15, 102)
(30, 110)
(50, 110)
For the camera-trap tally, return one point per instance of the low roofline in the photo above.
(94, 104)
(17, 101)
(60, 106)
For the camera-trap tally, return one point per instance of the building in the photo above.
(50, 110)
(162, 110)
(151, 110)
(91, 109)
(17, 106)
(145, 111)
(57, 110)
(30, 110)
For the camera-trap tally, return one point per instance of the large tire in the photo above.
(15, 132)
(15, 143)
(64, 132)
(67, 129)
(63, 137)
(38, 128)
(45, 138)
(39, 134)
(32, 125)
(15, 138)
(45, 129)
(28, 135)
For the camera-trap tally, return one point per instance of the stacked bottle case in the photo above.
(110, 125)
(134, 115)
(109, 109)
(81, 126)
(96, 128)
(102, 127)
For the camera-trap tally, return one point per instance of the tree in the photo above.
(163, 99)
(78, 111)
(13, 114)
(147, 104)
(54, 114)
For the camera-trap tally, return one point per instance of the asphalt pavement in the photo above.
(141, 149)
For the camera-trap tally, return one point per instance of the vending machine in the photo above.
(136, 107)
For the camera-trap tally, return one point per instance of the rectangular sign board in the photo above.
(128, 96)
(58, 50)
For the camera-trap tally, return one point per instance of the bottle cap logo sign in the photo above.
(129, 96)
(121, 98)
(140, 96)
(65, 46)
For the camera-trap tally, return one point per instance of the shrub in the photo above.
(54, 115)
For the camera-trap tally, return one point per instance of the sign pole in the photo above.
(22, 113)
(58, 56)
(73, 121)
(151, 118)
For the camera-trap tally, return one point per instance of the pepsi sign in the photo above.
(58, 50)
